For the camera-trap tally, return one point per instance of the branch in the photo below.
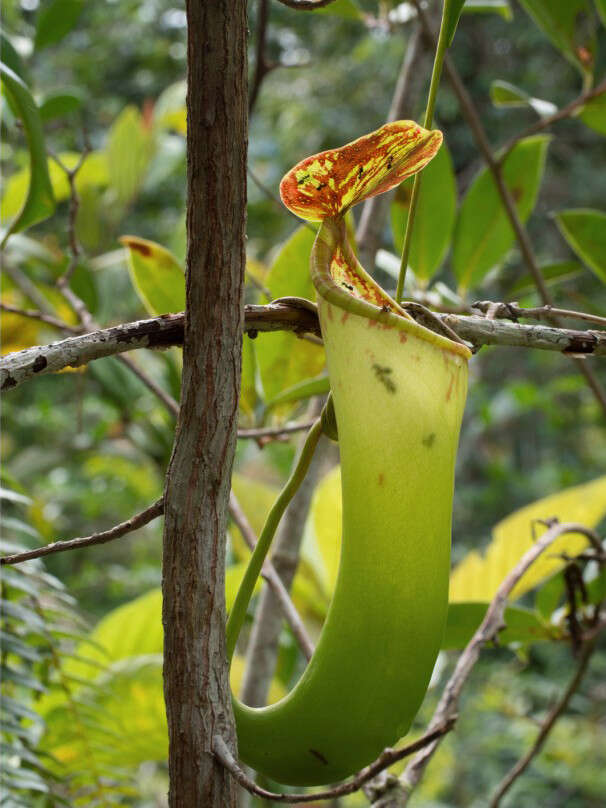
(511, 311)
(48, 319)
(134, 523)
(167, 330)
(387, 758)
(493, 621)
(546, 727)
(275, 432)
(560, 115)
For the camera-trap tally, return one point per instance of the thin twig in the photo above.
(387, 758)
(546, 727)
(560, 115)
(511, 311)
(134, 523)
(169, 402)
(493, 621)
(262, 66)
(34, 314)
(270, 574)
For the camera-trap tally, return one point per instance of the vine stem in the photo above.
(438, 62)
(238, 612)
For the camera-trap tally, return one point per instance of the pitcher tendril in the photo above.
(398, 391)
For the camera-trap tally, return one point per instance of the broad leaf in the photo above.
(58, 105)
(593, 114)
(566, 23)
(320, 385)
(601, 8)
(346, 9)
(450, 17)
(11, 58)
(585, 231)
(39, 203)
(483, 234)
(478, 577)
(331, 182)
(501, 7)
(92, 174)
(552, 273)
(503, 94)
(56, 19)
(435, 216)
(130, 146)
(283, 359)
(156, 275)
(523, 625)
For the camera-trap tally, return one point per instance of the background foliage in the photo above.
(86, 449)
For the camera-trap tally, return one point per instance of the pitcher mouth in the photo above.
(341, 280)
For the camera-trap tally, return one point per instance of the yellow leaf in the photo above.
(478, 577)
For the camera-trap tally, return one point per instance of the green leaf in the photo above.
(585, 231)
(503, 94)
(56, 19)
(501, 7)
(552, 273)
(248, 388)
(130, 147)
(601, 9)
(39, 203)
(322, 544)
(298, 392)
(450, 17)
(10, 57)
(283, 359)
(483, 234)
(435, 217)
(156, 275)
(593, 114)
(523, 625)
(347, 9)
(567, 24)
(478, 577)
(59, 105)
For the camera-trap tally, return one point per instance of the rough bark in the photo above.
(196, 685)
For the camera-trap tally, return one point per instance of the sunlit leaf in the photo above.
(523, 625)
(256, 498)
(501, 7)
(567, 23)
(478, 577)
(601, 8)
(435, 216)
(93, 173)
(130, 146)
(504, 94)
(169, 110)
(483, 234)
(55, 19)
(283, 359)
(331, 182)
(322, 547)
(39, 203)
(156, 275)
(585, 231)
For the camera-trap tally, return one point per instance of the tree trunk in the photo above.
(196, 685)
